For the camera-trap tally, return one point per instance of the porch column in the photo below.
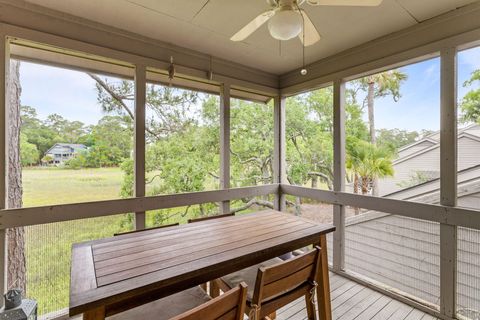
(448, 179)
(225, 143)
(339, 173)
(279, 147)
(139, 154)
(4, 69)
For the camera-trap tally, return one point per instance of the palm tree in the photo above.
(367, 162)
(381, 85)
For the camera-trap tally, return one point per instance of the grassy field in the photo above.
(48, 246)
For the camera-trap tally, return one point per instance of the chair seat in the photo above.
(248, 275)
(167, 307)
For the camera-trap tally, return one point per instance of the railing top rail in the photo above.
(20, 217)
(455, 216)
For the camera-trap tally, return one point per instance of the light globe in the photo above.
(285, 24)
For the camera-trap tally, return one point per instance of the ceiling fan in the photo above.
(286, 20)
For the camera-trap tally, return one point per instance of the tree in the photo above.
(367, 162)
(394, 139)
(28, 152)
(16, 263)
(470, 104)
(380, 85)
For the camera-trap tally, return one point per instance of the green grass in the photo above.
(48, 247)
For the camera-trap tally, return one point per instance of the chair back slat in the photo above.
(288, 283)
(289, 267)
(211, 217)
(282, 283)
(228, 306)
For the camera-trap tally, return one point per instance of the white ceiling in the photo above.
(207, 25)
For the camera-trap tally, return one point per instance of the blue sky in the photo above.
(72, 94)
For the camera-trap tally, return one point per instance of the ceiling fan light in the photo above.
(285, 24)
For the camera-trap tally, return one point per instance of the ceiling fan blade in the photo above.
(252, 26)
(311, 34)
(360, 3)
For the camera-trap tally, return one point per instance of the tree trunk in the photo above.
(371, 122)
(314, 182)
(365, 183)
(298, 206)
(16, 264)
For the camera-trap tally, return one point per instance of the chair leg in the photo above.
(214, 289)
(323, 288)
(273, 315)
(310, 306)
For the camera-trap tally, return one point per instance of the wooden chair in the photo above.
(153, 228)
(228, 306)
(276, 286)
(191, 304)
(211, 217)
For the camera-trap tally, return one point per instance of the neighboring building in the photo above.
(420, 161)
(404, 253)
(61, 152)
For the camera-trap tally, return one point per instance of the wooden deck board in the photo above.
(352, 301)
(366, 304)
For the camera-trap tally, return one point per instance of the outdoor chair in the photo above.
(211, 217)
(272, 287)
(153, 228)
(191, 304)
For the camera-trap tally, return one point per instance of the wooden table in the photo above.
(112, 275)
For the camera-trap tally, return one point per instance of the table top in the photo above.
(120, 270)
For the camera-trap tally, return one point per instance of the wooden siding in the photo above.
(405, 152)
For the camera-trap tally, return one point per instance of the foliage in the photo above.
(28, 151)
(367, 162)
(418, 177)
(394, 139)
(109, 141)
(470, 104)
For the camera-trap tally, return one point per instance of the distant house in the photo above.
(61, 152)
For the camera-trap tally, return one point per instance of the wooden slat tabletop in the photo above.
(131, 269)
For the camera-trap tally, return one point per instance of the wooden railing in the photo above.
(454, 216)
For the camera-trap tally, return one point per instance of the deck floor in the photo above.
(351, 300)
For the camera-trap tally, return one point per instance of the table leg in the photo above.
(95, 314)
(323, 288)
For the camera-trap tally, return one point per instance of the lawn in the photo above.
(48, 246)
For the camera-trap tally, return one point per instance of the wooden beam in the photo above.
(225, 143)
(457, 216)
(448, 179)
(279, 149)
(4, 69)
(10, 218)
(139, 154)
(339, 173)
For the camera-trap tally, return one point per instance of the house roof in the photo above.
(471, 131)
(75, 146)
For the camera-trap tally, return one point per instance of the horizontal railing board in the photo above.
(442, 214)
(10, 218)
